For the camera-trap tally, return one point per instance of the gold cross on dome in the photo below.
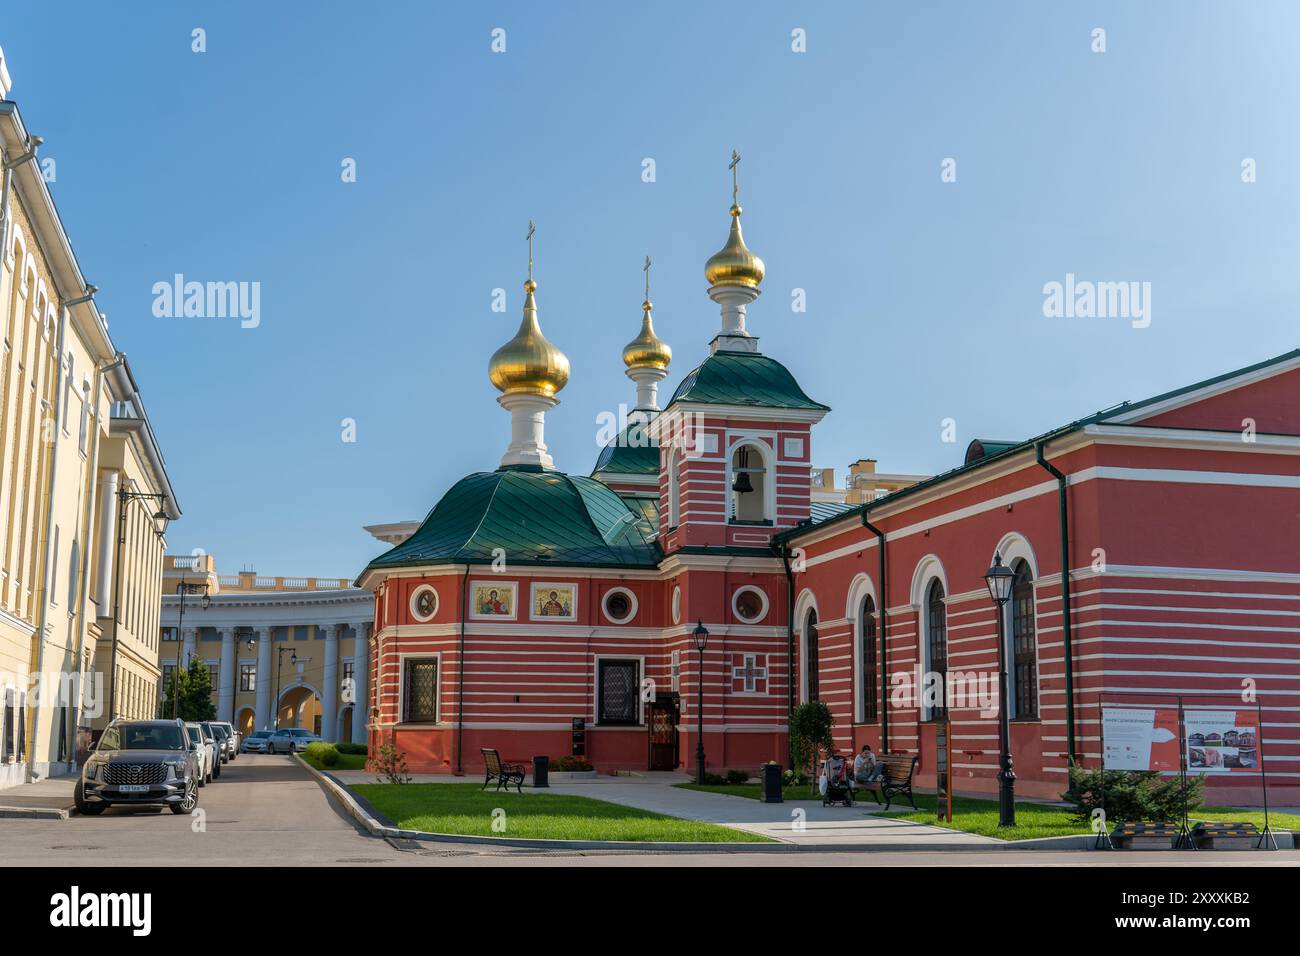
(531, 229)
(646, 268)
(735, 178)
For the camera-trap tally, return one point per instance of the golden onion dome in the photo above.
(528, 363)
(647, 350)
(734, 264)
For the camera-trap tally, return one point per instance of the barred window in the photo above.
(1024, 643)
(870, 674)
(937, 648)
(814, 663)
(349, 670)
(617, 692)
(247, 677)
(420, 690)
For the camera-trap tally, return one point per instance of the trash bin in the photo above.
(772, 783)
(541, 771)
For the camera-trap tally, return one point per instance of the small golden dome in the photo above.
(528, 363)
(647, 350)
(734, 264)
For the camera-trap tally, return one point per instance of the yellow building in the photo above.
(283, 651)
(864, 483)
(61, 382)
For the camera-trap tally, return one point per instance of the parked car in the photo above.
(140, 763)
(218, 735)
(207, 749)
(232, 735)
(255, 743)
(289, 740)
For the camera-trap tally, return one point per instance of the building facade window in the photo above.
(674, 488)
(247, 677)
(936, 644)
(7, 728)
(1024, 644)
(870, 673)
(619, 605)
(749, 485)
(813, 664)
(424, 603)
(617, 684)
(420, 690)
(749, 604)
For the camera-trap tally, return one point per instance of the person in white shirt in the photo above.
(866, 768)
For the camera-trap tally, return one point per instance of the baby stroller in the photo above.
(838, 789)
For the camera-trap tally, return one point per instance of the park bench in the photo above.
(896, 779)
(503, 773)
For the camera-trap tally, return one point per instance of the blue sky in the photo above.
(924, 298)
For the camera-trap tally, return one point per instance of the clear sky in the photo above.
(924, 297)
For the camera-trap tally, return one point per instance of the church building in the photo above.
(540, 612)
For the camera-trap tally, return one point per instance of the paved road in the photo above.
(266, 810)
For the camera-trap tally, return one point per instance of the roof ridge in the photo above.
(486, 511)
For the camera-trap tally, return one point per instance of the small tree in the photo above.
(810, 730)
(188, 695)
(390, 763)
(1131, 795)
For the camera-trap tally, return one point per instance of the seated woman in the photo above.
(866, 768)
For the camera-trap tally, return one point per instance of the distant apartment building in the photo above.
(863, 484)
(79, 469)
(282, 651)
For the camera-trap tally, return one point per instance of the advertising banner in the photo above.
(1140, 738)
(1222, 741)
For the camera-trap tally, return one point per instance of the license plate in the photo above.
(133, 788)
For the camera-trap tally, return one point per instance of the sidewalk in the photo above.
(48, 799)
(803, 822)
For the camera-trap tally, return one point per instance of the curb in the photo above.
(375, 828)
(33, 813)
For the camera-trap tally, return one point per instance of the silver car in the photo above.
(232, 737)
(288, 740)
(140, 763)
(255, 743)
(207, 748)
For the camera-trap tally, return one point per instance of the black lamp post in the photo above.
(701, 635)
(279, 661)
(183, 589)
(1000, 579)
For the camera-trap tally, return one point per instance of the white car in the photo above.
(288, 740)
(207, 748)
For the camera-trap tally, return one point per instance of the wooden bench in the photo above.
(503, 773)
(896, 779)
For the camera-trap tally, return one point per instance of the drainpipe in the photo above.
(65, 312)
(1067, 642)
(789, 650)
(460, 676)
(884, 628)
(33, 142)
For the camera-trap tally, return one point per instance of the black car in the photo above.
(140, 763)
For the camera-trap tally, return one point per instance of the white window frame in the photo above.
(604, 605)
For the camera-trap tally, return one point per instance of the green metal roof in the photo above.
(1124, 408)
(645, 506)
(824, 510)
(987, 448)
(743, 378)
(534, 517)
(633, 452)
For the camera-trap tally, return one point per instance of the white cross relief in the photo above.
(750, 673)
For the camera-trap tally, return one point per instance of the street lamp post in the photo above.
(183, 589)
(1000, 579)
(279, 662)
(701, 636)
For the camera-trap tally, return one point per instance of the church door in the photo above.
(662, 724)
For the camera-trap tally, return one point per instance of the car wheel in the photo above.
(84, 808)
(190, 802)
(270, 748)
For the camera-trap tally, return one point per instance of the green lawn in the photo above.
(973, 815)
(464, 809)
(346, 762)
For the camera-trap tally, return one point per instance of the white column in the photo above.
(527, 429)
(264, 677)
(361, 678)
(647, 386)
(189, 638)
(226, 678)
(732, 301)
(329, 699)
(107, 543)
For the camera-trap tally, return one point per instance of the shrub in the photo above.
(714, 779)
(570, 764)
(390, 763)
(326, 755)
(351, 748)
(1131, 796)
(737, 777)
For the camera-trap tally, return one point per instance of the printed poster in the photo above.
(1222, 741)
(1140, 738)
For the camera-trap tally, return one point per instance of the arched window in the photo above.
(674, 488)
(870, 673)
(936, 643)
(749, 489)
(812, 664)
(1024, 644)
